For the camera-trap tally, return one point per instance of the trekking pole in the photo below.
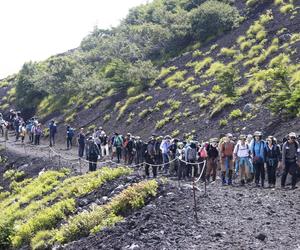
(49, 152)
(195, 202)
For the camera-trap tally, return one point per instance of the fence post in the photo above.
(80, 165)
(195, 202)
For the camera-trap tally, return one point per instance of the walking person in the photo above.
(92, 153)
(191, 157)
(290, 159)
(104, 144)
(202, 159)
(257, 147)
(52, 132)
(81, 142)
(70, 135)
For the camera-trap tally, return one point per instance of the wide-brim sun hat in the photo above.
(257, 133)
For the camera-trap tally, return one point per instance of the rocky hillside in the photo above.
(238, 81)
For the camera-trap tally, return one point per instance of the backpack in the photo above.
(93, 149)
(71, 132)
(118, 141)
(192, 154)
(203, 153)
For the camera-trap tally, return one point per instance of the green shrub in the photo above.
(93, 102)
(228, 52)
(199, 65)
(287, 8)
(149, 98)
(106, 118)
(175, 133)
(235, 114)
(167, 112)
(133, 91)
(174, 105)
(13, 175)
(161, 123)
(223, 123)
(212, 18)
(214, 69)
(4, 84)
(173, 80)
(221, 104)
(159, 105)
(145, 113)
(130, 101)
(261, 35)
(166, 71)
(197, 53)
(100, 217)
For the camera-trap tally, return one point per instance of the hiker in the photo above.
(173, 149)
(96, 138)
(22, 132)
(130, 149)
(37, 134)
(273, 156)
(202, 157)
(191, 157)
(6, 129)
(257, 148)
(17, 124)
(180, 154)
(117, 144)
(290, 158)
(164, 147)
(104, 143)
(158, 152)
(150, 158)
(241, 155)
(52, 132)
(212, 165)
(226, 150)
(125, 149)
(28, 130)
(140, 149)
(92, 153)
(81, 142)
(70, 135)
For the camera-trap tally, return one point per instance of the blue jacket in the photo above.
(258, 148)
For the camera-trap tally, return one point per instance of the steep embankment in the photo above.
(187, 97)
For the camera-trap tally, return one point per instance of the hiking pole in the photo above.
(195, 203)
(59, 162)
(49, 153)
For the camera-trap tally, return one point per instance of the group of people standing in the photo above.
(248, 156)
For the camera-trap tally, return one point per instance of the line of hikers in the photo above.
(248, 157)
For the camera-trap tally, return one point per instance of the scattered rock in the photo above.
(261, 237)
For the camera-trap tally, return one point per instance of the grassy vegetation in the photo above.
(236, 113)
(40, 203)
(93, 102)
(130, 101)
(173, 80)
(98, 217)
(166, 71)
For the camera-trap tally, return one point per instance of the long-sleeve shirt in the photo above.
(257, 149)
(290, 152)
(164, 146)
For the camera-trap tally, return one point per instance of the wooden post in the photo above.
(195, 202)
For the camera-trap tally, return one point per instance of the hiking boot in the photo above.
(229, 182)
(293, 187)
(243, 182)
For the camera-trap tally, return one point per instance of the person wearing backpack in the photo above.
(38, 133)
(226, 150)
(180, 155)
(241, 155)
(52, 132)
(104, 143)
(150, 158)
(92, 153)
(202, 157)
(213, 154)
(191, 157)
(257, 148)
(130, 148)
(70, 134)
(290, 158)
(23, 132)
(117, 143)
(174, 164)
(273, 157)
(81, 142)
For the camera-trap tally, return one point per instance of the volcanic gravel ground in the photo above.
(228, 218)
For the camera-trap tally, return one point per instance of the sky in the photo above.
(33, 30)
